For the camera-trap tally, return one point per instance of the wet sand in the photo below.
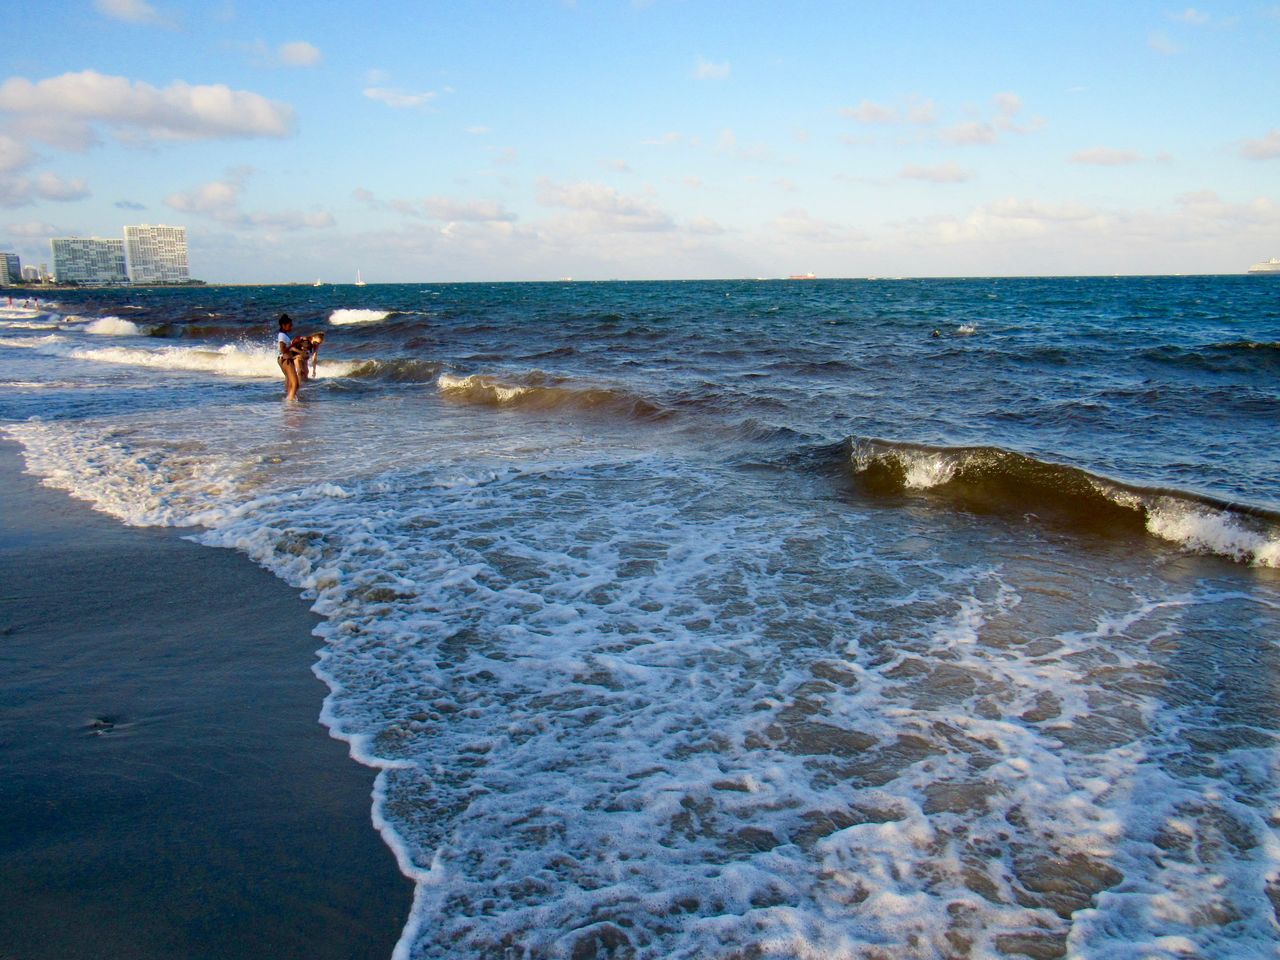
(167, 789)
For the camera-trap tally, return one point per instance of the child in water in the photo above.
(306, 347)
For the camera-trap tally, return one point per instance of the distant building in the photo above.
(88, 260)
(157, 254)
(10, 268)
(31, 274)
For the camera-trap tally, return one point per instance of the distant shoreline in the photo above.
(35, 291)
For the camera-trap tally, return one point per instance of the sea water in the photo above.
(874, 619)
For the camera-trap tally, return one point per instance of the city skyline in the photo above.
(650, 139)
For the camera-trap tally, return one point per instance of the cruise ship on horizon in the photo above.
(1266, 266)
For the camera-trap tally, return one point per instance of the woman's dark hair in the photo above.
(285, 318)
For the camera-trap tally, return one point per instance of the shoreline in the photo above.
(169, 789)
(32, 291)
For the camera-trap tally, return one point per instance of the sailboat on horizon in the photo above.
(359, 279)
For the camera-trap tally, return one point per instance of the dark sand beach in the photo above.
(167, 790)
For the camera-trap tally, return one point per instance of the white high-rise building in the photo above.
(88, 260)
(157, 254)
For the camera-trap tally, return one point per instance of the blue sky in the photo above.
(649, 138)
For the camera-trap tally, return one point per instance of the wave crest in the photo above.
(350, 316)
(538, 391)
(231, 360)
(113, 327)
(991, 479)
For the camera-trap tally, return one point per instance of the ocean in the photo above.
(803, 619)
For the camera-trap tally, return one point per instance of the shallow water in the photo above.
(748, 619)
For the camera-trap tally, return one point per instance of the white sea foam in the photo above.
(614, 708)
(231, 360)
(349, 316)
(1212, 531)
(31, 325)
(112, 326)
(32, 343)
(487, 386)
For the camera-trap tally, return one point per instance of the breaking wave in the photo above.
(345, 317)
(397, 371)
(231, 360)
(113, 327)
(33, 343)
(990, 479)
(538, 391)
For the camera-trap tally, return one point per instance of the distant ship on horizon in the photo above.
(802, 276)
(1266, 266)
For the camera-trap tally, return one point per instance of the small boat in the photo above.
(317, 283)
(1266, 266)
(359, 279)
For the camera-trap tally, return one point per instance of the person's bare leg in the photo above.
(290, 378)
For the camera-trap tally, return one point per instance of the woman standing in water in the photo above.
(285, 357)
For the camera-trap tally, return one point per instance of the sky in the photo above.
(649, 139)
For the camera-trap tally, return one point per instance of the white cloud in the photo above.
(1103, 238)
(64, 109)
(942, 173)
(1159, 42)
(1008, 107)
(18, 188)
(478, 131)
(601, 208)
(449, 210)
(617, 166)
(1013, 208)
(1266, 147)
(923, 112)
(727, 143)
(705, 227)
(34, 230)
(1208, 206)
(1106, 157)
(298, 53)
(970, 134)
(870, 112)
(1012, 219)
(20, 191)
(130, 11)
(916, 111)
(1191, 15)
(798, 223)
(50, 186)
(14, 155)
(706, 70)
(398, 98)
(219, 200)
